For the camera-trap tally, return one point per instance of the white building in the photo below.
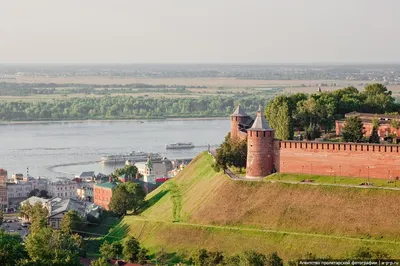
(17, 192)
(147, 171)
(64, 188)
(58, 207)
(19, 189)
(85, 191)
(87, 176)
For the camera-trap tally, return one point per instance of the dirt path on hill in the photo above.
(267, 231)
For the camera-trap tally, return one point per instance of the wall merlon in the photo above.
(338, 146)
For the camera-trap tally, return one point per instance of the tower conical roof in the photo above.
(239, 112)
(260, 124)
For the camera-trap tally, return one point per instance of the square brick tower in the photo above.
(260, 146)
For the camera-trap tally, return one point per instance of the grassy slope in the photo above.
(339, 180)
(218, 213)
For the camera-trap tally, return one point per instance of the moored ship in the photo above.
(180, 145)
(135, 156)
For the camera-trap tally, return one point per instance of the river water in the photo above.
(67, 148)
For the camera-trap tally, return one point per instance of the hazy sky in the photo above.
(201, 31)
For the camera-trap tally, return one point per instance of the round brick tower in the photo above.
(238, 117)
(260, 152)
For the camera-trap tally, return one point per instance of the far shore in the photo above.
(112, 120)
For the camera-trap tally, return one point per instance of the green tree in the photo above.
(12, 250)
(274, 260)
(38, 217)
(25, 211)
(239, 154)
(44, 194)
(126, 197)
(312, 132)
(100, 262)
(71, 222)
(378, 99)
(279, 117)
(34, 192)
(353, 129)
(119, 200)
(253, 258)
(1, 217)
(136, 196)
(111, 250)
(232, 152)
(52, 247)
(143, 256)
(374, 138)
(204, 257)
(131, 249)
(129, 170)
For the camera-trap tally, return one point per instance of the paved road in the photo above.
(13, 228)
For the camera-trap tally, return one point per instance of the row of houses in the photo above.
(58, 207)
(85, 187)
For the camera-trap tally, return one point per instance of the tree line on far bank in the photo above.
(128, 107)
(312, 112)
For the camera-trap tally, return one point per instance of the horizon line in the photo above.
(205, 63)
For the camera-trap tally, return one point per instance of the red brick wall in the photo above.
(235, 121)
(102, 196)
(260, 153)
(342, 159)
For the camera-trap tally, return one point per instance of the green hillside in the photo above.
(220, 214)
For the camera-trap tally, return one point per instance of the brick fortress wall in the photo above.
(342, 159)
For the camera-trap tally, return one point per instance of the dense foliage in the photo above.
(129, 170)
(53, 247)
(302, 111)
(353, 129)
(127, 107)
(111, 250)
(71, 222)
(129, 249)
(127, 196)
(204, 257)
(232, 152)
(12, 251)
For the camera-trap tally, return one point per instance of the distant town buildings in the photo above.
(64, 188)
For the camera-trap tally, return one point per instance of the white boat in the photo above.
(135, 156)
(180, 145)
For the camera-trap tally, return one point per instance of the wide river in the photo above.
(67, 148)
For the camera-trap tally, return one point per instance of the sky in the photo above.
(199, 31)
